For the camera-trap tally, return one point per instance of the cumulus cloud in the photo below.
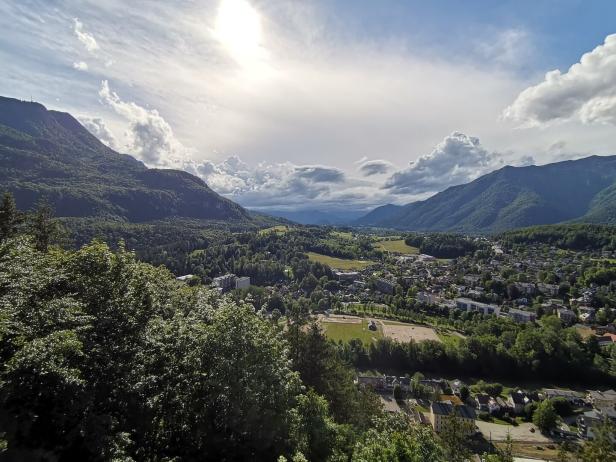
(320, 174)
(149, 136)
(586, 92)
(98, 128)
(87, 39)
(457, 159)
(80, 66)
(375, 167)
(279, 185)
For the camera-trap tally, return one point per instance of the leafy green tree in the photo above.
(455, 437)
(601, 447)
(394, 439)
(545, 416)
(9, 216)
(44, 227)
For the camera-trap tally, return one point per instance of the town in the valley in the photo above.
(450, 326)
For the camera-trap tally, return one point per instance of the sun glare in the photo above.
(238, 28)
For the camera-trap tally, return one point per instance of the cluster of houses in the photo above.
(597, 405)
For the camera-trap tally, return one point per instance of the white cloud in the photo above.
(586, 92)
(98, 128)
(455, 160)
(375, 167)
(87, 39)
(80, 66)
(150, 137)
(510, 47)
(279, 185)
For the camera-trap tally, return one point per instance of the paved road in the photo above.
(520, 433)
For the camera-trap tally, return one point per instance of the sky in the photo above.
(324, 104)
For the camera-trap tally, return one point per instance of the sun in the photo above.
(238, 29)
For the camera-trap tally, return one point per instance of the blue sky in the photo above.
(323, 104)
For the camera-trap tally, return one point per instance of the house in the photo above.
(405, 383)
(522, 316)
(186, 277)
(436, 385)
(602, 399)
(482, 402)
(589, 420)
(242, 282)
(566, 316)
(493, 406)
(516, 401)
(441, 411)
(374, 382)
(574, 397)
(456, 386)
(385, 286)
(606, 339)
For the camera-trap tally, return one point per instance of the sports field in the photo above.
(339, 263)
(397, 246)
(346, 328)
(404, 333)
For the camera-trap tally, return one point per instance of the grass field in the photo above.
(280, 229)
(342, 235)
(342, 331)
(339, 263)
(397, 246)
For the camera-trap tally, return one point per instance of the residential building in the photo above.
(573, 397)
(522, 316)
(602, 399)
(441, 411)
(224, 283)
(588, 421)
(548, 289)
(347, 276)
(242, 282)
(466, 304)
(606, 339)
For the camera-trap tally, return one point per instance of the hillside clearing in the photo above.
(396, 246)
(339, 263)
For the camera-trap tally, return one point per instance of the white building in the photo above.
(242, 282)
(466, 304)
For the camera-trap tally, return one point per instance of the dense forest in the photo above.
(108, 358)
(443, 245)
(566, 236)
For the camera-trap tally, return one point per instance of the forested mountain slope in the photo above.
(50, 154)
(512, 197)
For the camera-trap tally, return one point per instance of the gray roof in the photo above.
(448, 409)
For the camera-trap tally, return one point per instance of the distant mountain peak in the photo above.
(512, 197)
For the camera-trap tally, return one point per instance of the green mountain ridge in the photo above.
(582, 190)
(49, 154)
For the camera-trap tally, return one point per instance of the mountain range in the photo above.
(49, 154)
(582, 190)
